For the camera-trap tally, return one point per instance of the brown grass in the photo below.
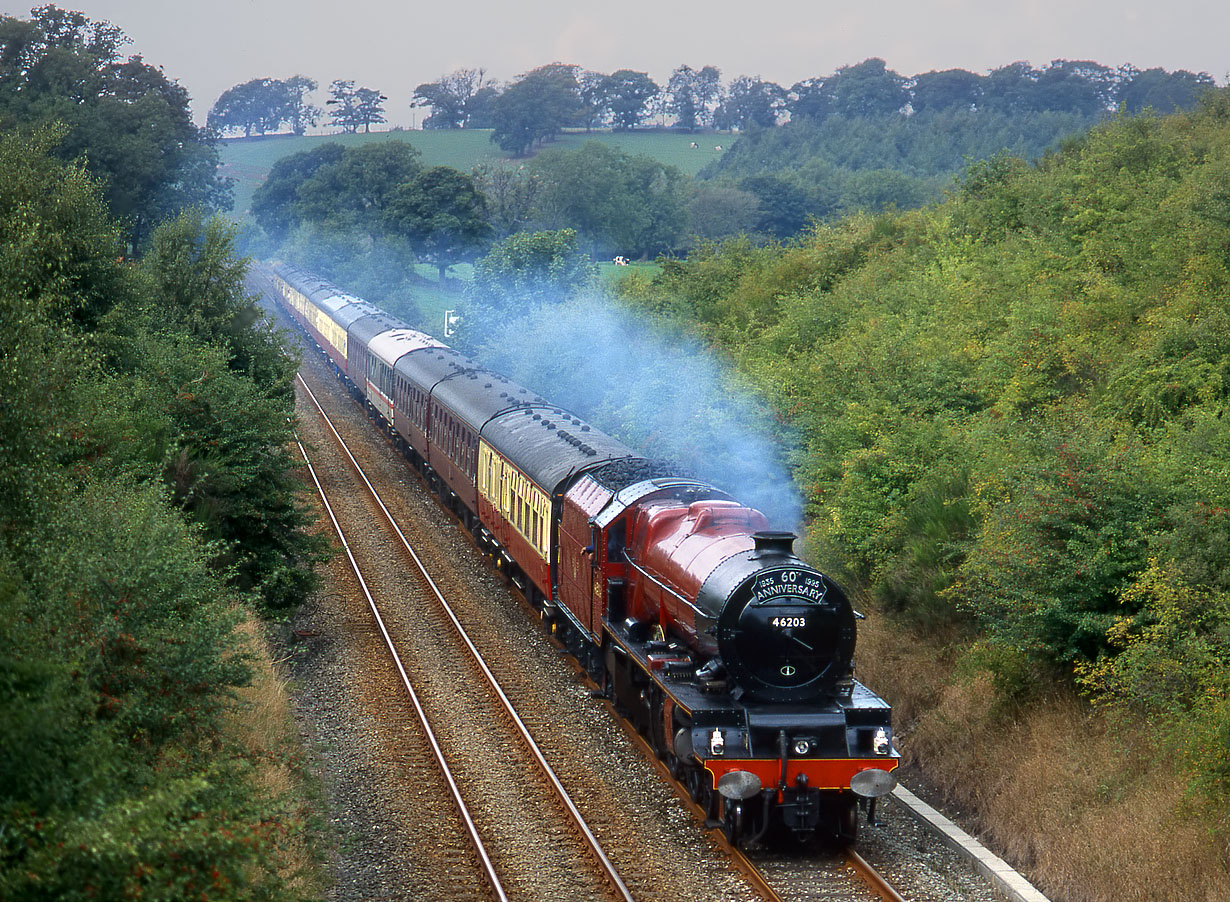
(263, 724)
(1090, 814)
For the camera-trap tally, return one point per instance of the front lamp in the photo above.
(879, 742)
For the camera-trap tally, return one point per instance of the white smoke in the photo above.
(666, 396)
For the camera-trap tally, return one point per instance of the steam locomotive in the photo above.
(728, 653)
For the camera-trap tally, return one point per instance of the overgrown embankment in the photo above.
(1015, 442)
(147, 504)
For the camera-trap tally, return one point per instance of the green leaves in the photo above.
(619, 203)
(125, 119)
(1013, 400)
(146, 490)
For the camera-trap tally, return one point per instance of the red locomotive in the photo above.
(730, 655)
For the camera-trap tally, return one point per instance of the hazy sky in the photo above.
(210, 46)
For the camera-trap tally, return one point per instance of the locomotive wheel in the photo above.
(674, 765)
(847, 830)
(692, 780)
(732, 821)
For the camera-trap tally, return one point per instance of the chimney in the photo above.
(773, 543)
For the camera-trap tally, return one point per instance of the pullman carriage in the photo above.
(384, 351)
(528, 460)
(322, 311)
(414, 377)
(458, 408)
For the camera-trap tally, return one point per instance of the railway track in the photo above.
(575, 851)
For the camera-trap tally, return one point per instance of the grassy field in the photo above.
(249, 160)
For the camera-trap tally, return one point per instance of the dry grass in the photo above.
(263, 724)
(1090, 814)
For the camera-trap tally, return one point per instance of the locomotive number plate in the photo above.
(788, 622)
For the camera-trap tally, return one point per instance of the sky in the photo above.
(395, 46)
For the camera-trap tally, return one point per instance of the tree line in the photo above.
(539, 104)
(380, 196)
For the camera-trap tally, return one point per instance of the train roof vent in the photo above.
(770, 542)
(585, 429)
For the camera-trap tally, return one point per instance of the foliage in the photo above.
(1170, 667)
(264, 105)
(118, 650)
(456, 100)
(692, 95)
(274, 202)
(866, 90)
(716, 211)
(355, 107)
(621, 204)
(626, 95)
(443, 214)
(536, 107)
(750, 103)
(511, 193)
(826, 168)
(1013, 407)
(335, 188)
(528, 268)
(128, 121)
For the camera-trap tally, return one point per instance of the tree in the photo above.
(1011, 89)
(119, 649)
(592, 87)
(129, 122)
(1165, 92)
(354, 191)
(951, 89)
(693, 94)
(531, 268)
(718, 211)
(627, 95)
(1076, 86)
(480, 107)
(443, 214)
(784, 205)
(868, 89)
(750, 102)
(273, 202)
(511, 192)
(355, 107)
(299, 113)
(452, 98)
(254, 106)
(536, 108)
(622, 204)
(807, 99)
